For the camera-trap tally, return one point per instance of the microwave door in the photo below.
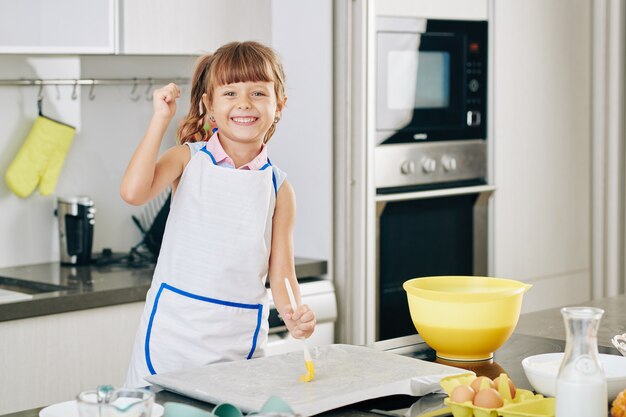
(419, 84)
(398, 63)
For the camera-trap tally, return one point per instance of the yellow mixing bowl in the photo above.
(462, 317)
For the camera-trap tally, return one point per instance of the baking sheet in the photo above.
(345, 374)
(7, 296)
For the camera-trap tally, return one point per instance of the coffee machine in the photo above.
(76, 222)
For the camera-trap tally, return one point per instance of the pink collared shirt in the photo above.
(222, 159)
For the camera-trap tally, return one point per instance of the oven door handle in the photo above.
(446, 192)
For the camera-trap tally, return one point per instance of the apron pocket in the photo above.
(187, 329)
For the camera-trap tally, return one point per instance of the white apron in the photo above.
(208, 302)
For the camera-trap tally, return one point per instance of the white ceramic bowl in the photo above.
(541, 371)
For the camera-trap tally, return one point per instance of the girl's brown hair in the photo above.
(232, 63)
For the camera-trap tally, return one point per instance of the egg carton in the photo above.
(525, 404)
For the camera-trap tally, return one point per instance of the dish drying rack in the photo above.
(151, 210)
(151, 223)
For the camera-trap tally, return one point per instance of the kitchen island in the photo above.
(537, 333)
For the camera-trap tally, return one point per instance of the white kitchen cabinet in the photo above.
(58, 26)
(434, 9)
(191, 27)
(131, 27)
(52, 358)
(541, 145)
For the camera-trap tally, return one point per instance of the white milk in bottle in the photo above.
(581, 384)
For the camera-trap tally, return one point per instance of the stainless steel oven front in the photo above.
(430, 220)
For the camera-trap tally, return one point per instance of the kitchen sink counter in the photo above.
(53, 288)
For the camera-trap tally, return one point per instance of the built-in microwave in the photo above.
(431, 80)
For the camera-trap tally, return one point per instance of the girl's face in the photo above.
(244, 111)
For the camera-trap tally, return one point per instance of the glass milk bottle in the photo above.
(581, 384)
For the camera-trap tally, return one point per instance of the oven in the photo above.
(431, 79)
(430, 159)
(427, 232)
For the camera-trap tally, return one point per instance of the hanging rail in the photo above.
(94, 81)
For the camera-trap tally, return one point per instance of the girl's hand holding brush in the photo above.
(300, 321)
(308, 361)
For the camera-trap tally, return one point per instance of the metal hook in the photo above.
(92, 96)
(40, 99)
(74, 93)
(134, 96)
(40, 92)
(148, 95)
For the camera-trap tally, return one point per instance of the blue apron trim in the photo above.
(149, 330)
(274, 182)
(258, 307)
(206, 151)
(256, 331)
(269, 164)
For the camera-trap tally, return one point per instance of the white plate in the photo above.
(541, 371)
(69, 409)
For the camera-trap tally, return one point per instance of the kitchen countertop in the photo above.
(537, 333)
(56, 288)
(507, 359)
(549, 323)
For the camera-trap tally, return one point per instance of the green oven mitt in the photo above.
(41, 157)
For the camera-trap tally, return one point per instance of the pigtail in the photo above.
(191, 128)
(270, 132)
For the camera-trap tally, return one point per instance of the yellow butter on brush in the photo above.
(308, 361)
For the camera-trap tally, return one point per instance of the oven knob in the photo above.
(449, 163)
(429, 165)
(407, 167)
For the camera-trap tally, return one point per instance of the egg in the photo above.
(488, 398)
(462, 393)
(511, 385)
(477, 383)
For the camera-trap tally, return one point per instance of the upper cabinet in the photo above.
(434, 9)
(58, 26)
(130, 27)
(191, 27)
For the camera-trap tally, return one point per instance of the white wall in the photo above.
(302, 146)
(111, 126)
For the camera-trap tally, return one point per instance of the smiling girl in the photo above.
(231, 209)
